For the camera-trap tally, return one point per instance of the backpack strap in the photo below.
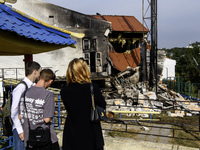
(23, 82)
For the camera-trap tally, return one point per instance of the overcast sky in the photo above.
(178, 20)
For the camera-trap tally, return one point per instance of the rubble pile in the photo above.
(132, 95)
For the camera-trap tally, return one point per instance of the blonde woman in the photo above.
(79, 132)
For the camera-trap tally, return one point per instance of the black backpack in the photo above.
(6, 117)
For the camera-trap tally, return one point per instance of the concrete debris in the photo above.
(145, 128)
(132, 95)
(188, 114)
(145, 115)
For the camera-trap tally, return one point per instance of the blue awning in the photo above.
(15, 22)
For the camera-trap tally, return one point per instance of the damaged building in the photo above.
(104, 37)
(112, 47)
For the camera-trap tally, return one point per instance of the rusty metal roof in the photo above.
(122, 60)
(123, 23)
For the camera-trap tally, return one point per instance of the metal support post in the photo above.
(178, 84)
(153, 53)
(54, 122)
(150, 118)
(16, 74)
(11, 87)
(59, 122)
(199, 121)
(189, 85)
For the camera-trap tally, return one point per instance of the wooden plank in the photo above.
(132, 119)
(134, 112)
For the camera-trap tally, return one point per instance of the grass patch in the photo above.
(119, 131)
(190, 120)
(188, 135)
(184, 124)
(121, 134)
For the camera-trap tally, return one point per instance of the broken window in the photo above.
(98, 59)
(89, 44)
(93, 44)
(98, 62)
(86, 44)
(87, 58)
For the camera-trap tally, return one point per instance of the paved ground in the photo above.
(130, 144)
(140, 141)
(155, 131)
(162, 130)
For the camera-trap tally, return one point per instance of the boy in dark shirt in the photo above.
(40, 106)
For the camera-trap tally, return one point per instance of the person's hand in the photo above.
(21, 136)
(19, 117)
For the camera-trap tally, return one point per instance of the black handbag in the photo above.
(97, 113)
(39, 137)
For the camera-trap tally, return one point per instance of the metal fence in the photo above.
(60, 115)
(187, 89)
(151, 122)
(7, 141)
(191, 129)
(127, 120)
(13, 73)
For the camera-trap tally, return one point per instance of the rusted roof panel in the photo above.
(123, 23)
(122, 60)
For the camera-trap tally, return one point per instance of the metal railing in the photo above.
(186, 89)
(7, 142)
(14, 73)
(133, 121)
(60, 115)
(179, 126)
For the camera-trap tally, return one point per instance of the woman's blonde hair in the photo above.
(78, 71)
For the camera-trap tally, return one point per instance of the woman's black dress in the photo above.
(79, 132)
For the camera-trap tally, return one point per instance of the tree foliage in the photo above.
(185, 63)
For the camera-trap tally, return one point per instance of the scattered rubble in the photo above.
(145, 128)
(132, 95)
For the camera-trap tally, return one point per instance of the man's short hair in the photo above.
(47, 75)
(31, 66)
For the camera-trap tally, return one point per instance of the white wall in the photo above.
(33, 8)
(58, 59)
(169, 68)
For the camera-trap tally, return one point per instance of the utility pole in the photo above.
(153, 52)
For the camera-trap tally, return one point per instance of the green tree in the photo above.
(185, 64)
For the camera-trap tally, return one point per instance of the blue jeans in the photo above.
(19, 144)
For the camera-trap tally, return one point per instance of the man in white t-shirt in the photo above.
(32, 73)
